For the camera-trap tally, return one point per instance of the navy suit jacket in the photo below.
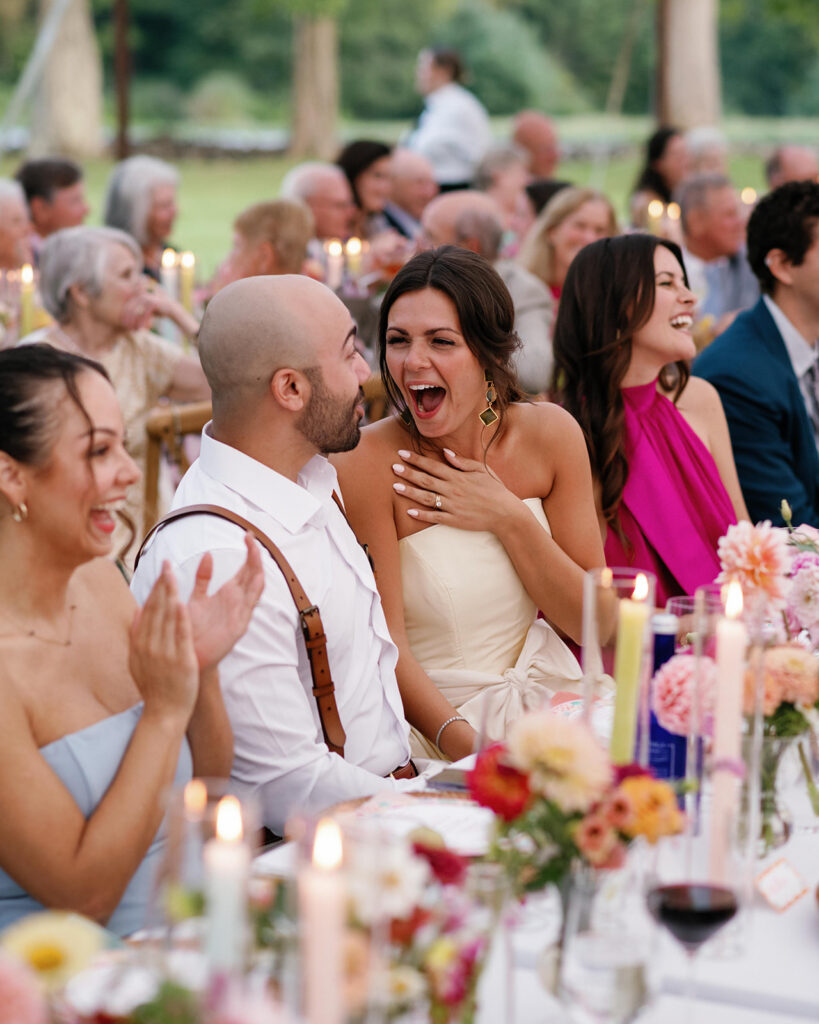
(771, 431)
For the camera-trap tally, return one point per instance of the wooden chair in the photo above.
(169, 425)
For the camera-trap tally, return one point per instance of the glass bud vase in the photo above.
(775, 823)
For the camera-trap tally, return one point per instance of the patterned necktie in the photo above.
(812, 377)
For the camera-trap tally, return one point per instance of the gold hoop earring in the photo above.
(20, 513)
(489, 416)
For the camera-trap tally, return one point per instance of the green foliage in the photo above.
(222, 97)
(157, 101)
(787, 720)
(173, 1004)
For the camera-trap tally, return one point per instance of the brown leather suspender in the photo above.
(311, 624)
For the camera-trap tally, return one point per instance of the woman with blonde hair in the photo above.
(571, 219)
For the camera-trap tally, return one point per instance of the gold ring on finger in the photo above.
(438, 503)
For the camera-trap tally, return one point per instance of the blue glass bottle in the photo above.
(666, 751)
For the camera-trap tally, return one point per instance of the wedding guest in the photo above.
(713, 228)
(368, 167)
(103, 706)
(535, 133)
(502, 174)
(92, 284)
(571, 219)
(453, 131)
(764, 365)
(707, 149)
(667, 164)
(476, 506)
(665, 480)
(413, 186)
(326, 191)
(268, 238)
(294, 395)
(472, 220)
(791, 163)
(541, 190)
(141, 200)
(55, 193)
(15, 227)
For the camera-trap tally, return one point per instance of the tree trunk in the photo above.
(68, 108)
(688, 80)
(315, 88)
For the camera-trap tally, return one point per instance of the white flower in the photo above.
(565, 762)
(386, 884)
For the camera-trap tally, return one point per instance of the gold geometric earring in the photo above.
(489, 416)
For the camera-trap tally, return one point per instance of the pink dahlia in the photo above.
(673, 690)
(21, 1001)
(757, 557)
(803, 597)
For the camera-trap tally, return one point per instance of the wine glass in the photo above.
(692, 889)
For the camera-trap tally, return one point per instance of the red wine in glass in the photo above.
(692, 912)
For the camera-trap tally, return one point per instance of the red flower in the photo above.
(628, 771)
(498, 786)
(402, 929)
(448, 867)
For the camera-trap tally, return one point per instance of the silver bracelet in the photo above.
(449, 721)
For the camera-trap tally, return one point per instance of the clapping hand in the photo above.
(219, 620)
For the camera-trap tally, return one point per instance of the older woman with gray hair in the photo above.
(92, 284)
(141, 199)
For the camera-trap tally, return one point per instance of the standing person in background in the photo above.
(453, 131)
(141, 200)
(534, 133)
(55, 193)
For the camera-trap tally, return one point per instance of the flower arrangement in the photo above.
(558, 801)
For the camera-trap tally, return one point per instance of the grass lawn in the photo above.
(213, 192)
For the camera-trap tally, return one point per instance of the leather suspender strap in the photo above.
(309, 616)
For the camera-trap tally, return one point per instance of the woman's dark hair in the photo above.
(607, 297)
(485, 312)
(542, 190)
(650, 179)
(29, 421)
(357, 156)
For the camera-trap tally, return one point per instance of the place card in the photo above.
(780, 885)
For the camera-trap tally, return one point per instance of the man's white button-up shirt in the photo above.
(279, 754)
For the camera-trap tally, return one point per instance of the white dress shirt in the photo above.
(279, 752)
(801, 353)
(453, 133)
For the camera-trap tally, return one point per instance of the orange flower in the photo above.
(655, 811)
(497, 785)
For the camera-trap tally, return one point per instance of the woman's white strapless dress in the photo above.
(473, 628)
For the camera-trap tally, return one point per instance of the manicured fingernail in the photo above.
(450, 453)
(404, 455)
(412, 512)
(397, 467)
(399, 487)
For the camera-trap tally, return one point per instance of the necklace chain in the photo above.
(34, 635)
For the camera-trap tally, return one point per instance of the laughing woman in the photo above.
(477, 507)
(665, 479)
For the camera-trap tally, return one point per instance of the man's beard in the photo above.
(329, 422)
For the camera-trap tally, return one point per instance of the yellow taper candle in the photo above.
(187, 273)
(632, 622)
(26, 300)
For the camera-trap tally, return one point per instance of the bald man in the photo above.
(791, 163)
(473, 220)
(280, 356)
(535, 133)
(413, 186)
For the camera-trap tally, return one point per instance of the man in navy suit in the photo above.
(764, 366)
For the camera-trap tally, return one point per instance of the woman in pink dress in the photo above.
(666, 486)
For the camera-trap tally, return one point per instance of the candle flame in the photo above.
(673, 211)
(327, 850)
(334, 248)
(748, 196)
(733, 600)
(606, 577)
(640, 587)
(195, 797)
(655, 208)
(354, 247)
(187, 259)
(27, 273)
(229, 819)
(168, 259)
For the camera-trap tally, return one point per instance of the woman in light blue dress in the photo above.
(103, 706)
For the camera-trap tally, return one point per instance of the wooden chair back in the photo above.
(169, 425)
